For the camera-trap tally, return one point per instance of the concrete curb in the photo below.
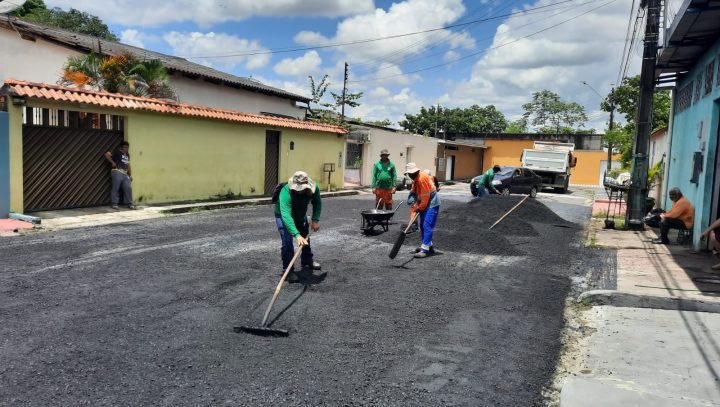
(629, 300)
(204, 206)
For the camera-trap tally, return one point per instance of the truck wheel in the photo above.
(533, 192)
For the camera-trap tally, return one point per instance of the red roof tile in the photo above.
(114, 100)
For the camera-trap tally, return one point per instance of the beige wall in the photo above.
(35, 61)
(423, 151)
(182, 159)
(176, 158)
(16, 158)
(467, 161)
(199, 92)
(312, 150)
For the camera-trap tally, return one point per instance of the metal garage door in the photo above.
(63, 163)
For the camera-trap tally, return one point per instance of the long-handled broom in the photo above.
(263, 329)
(401, 239)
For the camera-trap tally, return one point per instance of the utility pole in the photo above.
(437, 114)
(610, 127)
(643, 126)
(342, 109)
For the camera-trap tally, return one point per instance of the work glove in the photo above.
(412, 198)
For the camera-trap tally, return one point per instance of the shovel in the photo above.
(401, 238)
(263, 329)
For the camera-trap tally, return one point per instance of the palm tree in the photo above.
(122, 73)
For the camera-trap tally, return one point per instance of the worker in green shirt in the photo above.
(384, 180)
(291, 220)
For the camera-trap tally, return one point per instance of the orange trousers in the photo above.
(386, 196)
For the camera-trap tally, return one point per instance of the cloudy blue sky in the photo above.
(490, 52)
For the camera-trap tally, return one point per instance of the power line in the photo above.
(419, 43)
(565, 10)
(364, 41)
(487, 49)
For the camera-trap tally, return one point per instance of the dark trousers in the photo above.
(667, 224)
(287, 250)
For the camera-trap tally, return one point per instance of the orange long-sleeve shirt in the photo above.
(683, 210)
(423, 186)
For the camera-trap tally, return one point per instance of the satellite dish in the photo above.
(8, 6)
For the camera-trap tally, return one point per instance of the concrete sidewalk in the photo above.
(646, 357)
(672, 275)
(97, 216)
(649, 344)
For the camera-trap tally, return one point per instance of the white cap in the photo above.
(411, 168)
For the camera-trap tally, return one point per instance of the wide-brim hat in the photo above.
(300, 182)
(384, 152)
(411, 168)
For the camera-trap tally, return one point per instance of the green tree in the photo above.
(626, 98)
(517, 127)
(471, 120)
(551, 114)
(118, 74)
(73, 20)
(383, 122)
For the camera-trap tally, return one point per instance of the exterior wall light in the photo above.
(18, 101)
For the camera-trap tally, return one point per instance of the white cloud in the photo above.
(587, 48)
(217, 50)
(137, 38)
(209, 12)
(379, 104)
(451, 56)
(305, 65)
(401, 18)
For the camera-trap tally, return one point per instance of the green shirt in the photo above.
(293, 208)
(384, 175)
(486, 180)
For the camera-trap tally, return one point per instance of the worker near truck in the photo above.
(384, 179)
(680, 216)
(425, 201)
(292, 223)
(485, 185)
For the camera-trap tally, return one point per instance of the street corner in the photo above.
(12, 227)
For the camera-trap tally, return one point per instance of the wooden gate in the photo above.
(63, 163)
(272, 160)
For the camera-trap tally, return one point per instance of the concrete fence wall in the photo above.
(4, 165)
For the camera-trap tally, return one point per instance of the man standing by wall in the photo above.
(291, 220)
(384, 179)
(121, 175)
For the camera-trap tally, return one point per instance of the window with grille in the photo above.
(709, 77)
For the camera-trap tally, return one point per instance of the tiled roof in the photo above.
(115, 100)
(87, 43)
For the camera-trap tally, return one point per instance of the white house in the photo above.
(365, 142)
(36, 53)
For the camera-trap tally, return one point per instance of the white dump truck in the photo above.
(552, 162)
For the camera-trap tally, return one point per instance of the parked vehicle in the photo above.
(552, 162)
(513, 180)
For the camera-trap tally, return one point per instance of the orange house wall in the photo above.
(504, 152)
(508, 152)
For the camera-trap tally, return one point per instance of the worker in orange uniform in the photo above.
(424, 200)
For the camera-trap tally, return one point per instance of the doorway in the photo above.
(272, 160)
(449, 168)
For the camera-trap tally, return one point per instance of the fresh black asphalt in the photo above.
(143, 313)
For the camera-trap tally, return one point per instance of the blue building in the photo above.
(690, 57)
